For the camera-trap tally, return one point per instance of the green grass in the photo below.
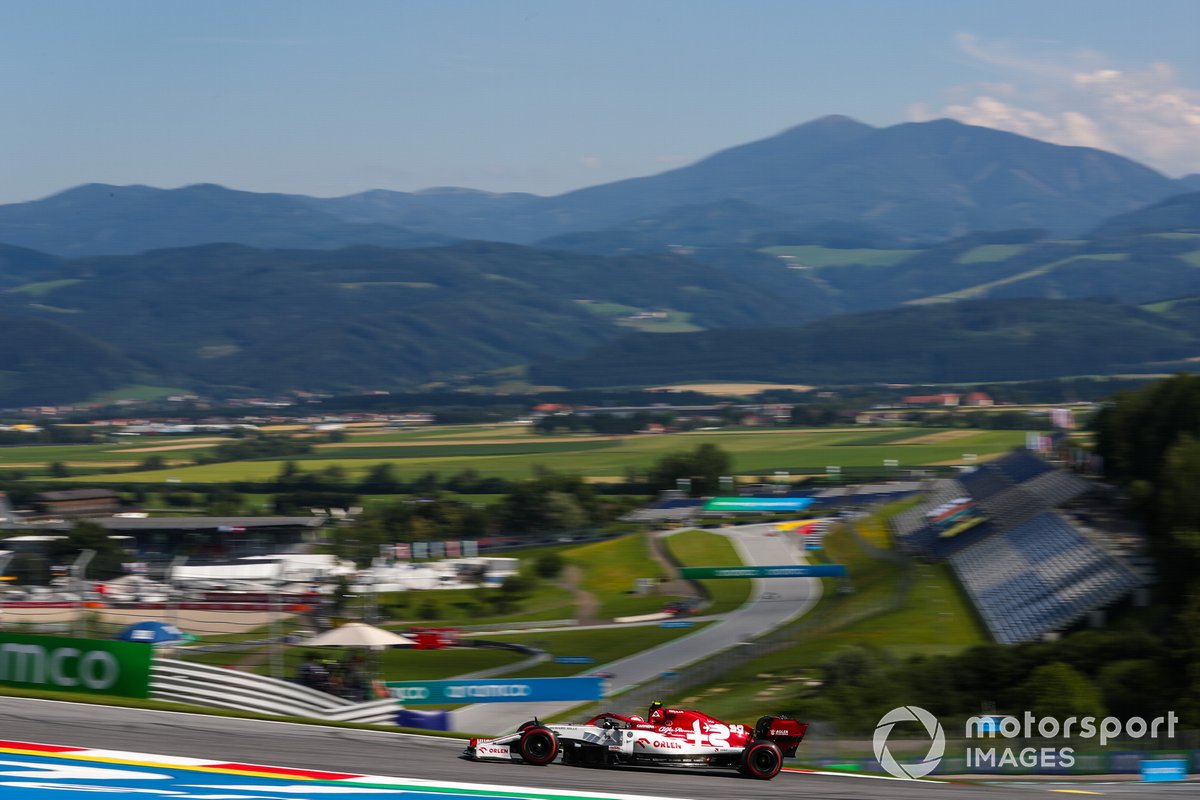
(610, 569)
(982, 289)
(704, 549)
(933, 618)
(811, 255)
(42, 288)
(798, 450)
(989, 253)
(608, 309)
(442, 450)
(606, 645)
(466, 607)
(674, 322)
(1192, 258)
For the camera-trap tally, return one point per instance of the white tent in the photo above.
(356, 634)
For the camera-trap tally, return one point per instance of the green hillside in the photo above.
(228, 318)
(951, 342)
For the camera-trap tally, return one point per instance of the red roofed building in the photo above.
(948, 399)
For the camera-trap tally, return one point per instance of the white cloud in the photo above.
(1079, 98)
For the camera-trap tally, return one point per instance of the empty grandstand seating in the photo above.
(1038, 577)
(1020, 466)
(1057, 487)
(983, 482)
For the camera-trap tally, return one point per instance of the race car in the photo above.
(667, 737)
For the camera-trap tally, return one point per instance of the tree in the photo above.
(549, 565)
(1060, 691)
(59, 470)
(704, 466)
(380, 479)
(154, 462)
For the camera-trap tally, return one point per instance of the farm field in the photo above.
(753, 451)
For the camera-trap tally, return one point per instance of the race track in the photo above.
(311, 747)
(772, 603)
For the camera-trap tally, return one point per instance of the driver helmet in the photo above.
(655, 707)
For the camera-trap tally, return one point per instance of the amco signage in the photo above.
(514, 690)
(92, 666)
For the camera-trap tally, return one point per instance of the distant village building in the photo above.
(979, 400)
(948, 399)
(77, 502)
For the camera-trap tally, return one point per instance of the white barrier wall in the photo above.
(203, 685)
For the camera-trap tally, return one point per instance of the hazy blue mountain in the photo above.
(725, 222)
(453, 211)
(99, 219)
(1180, 213)
(1191, 182)
(921, 181)
(917, 182)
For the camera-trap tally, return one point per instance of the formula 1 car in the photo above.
(668, 738)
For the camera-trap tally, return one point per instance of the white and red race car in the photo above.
(668, 738)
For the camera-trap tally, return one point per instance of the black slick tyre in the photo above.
(538, 746)
(761, 760)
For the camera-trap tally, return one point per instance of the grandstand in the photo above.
(1039, 577)
(1028, 569)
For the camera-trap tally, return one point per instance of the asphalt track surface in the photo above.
(772, 603)
(405, 756)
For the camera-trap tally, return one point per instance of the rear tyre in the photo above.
(761, 760)
(538, 746)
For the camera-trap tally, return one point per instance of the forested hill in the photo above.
(227, 318)
(989, 340)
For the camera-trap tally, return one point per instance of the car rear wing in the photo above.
(785, 733)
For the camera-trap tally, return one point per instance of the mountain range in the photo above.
(834, 251)
(916, 182)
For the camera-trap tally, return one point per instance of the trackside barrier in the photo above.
(643, 618)
(205, 685)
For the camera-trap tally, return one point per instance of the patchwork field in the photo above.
(515, 453)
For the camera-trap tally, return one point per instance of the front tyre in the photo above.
(762, 760)
(538, 746)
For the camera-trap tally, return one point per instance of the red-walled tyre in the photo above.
(761, 760)
(538, 746)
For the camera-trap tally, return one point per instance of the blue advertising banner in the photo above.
(1164, 769)
(499, 690)
(574, 660)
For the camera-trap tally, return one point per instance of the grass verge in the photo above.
(704, 549)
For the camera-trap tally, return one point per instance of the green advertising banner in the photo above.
(89, 666)
(798, 571)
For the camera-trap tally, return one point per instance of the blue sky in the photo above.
(329, 98)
